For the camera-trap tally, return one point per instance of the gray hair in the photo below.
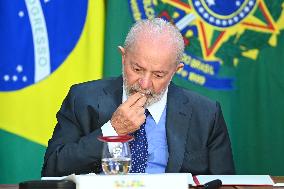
(155, 27)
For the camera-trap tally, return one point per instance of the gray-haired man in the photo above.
(185, 132)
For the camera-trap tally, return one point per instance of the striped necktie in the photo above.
(139, 149)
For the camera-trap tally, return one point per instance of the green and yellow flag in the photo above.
(46, 46)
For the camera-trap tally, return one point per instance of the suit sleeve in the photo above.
(220, 152)
(74, 147)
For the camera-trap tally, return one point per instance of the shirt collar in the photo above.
(155, 109)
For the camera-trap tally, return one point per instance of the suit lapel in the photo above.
(177, 123)
(109, 99)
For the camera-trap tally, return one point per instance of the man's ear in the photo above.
(179, 66)
(122, 52)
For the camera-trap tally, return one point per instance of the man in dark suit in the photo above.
(185, 132)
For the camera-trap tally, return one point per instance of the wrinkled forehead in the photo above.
(155, 56)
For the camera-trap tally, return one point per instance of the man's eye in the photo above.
(137, 69)
(158, 75)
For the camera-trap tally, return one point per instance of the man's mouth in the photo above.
(146, 93)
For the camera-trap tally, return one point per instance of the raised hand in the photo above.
(129, 116)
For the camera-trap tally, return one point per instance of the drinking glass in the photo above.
(116, 155)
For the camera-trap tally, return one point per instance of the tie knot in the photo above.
(146, 112)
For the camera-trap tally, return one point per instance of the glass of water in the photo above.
(116, 155)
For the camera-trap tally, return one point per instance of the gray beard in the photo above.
(152, 97)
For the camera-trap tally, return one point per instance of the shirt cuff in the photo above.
(108, 130)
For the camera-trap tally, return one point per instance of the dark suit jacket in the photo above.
(198, 141)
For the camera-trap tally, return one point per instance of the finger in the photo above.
(137, 123)
(120, 129)
(132, 99)
(140, 102)
(122, 132)
(134, 128)
(141, 121)
(139, 111)
(127, 129)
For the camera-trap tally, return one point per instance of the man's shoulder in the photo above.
(195, 98)
(199, 104)
(94, 85)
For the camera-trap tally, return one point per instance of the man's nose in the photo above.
(145, 82)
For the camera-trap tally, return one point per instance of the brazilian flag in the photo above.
(234, 54)
(45, 47)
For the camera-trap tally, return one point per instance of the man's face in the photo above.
(148, 68)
